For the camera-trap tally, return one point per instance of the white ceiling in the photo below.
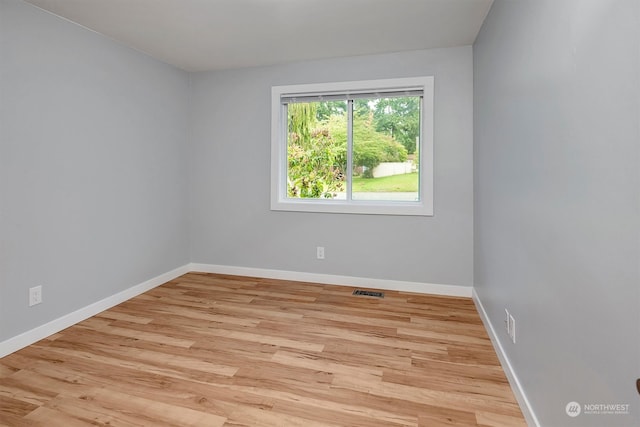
(199, 35)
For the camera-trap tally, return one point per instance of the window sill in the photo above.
(353, 207)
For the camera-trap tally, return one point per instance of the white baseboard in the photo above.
(514, 382)
(55, 326)
(329, 279)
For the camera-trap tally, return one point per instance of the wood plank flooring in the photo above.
(213, 350)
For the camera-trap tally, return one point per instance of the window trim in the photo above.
(279, 199)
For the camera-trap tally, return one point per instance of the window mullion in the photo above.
(284, 130)
(349, 174)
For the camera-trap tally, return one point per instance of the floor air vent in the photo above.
(368, 293)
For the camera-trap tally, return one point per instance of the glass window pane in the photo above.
(386, 135)
(316, 150)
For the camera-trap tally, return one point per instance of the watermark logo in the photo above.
(573, 409)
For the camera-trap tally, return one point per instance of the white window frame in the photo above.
(279, 199)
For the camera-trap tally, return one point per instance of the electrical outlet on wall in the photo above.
(320, 252)
(507, 322)
(512, 327)
(35, 295)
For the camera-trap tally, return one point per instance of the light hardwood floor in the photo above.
(213, 350)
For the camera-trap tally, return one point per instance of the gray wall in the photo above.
(93, 177)
(557, 198)
(231, 220)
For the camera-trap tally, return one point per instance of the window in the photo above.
(353, 147)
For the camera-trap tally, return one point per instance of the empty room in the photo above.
(320, 213)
